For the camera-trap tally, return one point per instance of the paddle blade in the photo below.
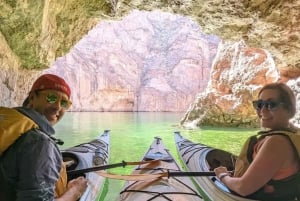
(143, 177)
(132, 177)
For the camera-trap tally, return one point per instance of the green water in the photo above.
(132, 133)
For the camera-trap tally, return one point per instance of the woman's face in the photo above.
(271, 111)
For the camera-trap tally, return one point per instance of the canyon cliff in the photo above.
(156, 63)
(258, 43)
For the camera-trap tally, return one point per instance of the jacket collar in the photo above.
(39, 119)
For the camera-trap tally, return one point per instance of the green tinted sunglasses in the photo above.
(54, 98)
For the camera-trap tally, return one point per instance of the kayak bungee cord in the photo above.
(163, 194)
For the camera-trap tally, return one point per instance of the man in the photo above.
(31, 165)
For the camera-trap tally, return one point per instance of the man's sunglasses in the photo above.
(269, 105)
(52, 98)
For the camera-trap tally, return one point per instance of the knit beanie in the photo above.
(49, 81)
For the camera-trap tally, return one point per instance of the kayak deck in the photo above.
(86, 155)
(201, 158)
(159, 188)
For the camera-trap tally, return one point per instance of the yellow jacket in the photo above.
(13, 125)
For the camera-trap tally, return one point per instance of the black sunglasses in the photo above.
(269, 104)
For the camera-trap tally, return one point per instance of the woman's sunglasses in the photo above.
(269, 105)
(53, 98)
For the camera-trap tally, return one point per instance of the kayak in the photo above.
(87, 155)
(163, 188)
(201, 158)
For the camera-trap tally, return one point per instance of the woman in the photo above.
(268, 166)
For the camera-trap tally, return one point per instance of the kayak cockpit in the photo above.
(216, 158)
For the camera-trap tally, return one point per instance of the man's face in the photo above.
(50, 103)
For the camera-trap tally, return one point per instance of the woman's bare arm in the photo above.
(276, 153)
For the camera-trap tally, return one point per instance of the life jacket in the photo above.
(282, 188)
(245, 157)
(13, 125)
(61, 184)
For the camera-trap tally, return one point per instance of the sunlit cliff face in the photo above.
(46, 31)
(269, 27)
(156, 63)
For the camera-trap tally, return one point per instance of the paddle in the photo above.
(191, 174)
(142, 177)
(151, 159)
(104, 167)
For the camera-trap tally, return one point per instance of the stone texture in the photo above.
(295, 85)
(149, 61)
(9, 66)
(237, 75)
(39, 32)
(35, 33)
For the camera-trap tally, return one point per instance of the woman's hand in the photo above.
(220, 171)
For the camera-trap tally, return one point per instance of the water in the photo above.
(132, 133)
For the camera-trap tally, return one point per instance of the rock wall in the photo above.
(156, 63)
(39, 32)
(238, 74)
(34, 34)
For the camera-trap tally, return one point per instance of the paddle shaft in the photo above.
(97, 168)
(190, 174)
(143, 177)
(193, 174)
(104, 167)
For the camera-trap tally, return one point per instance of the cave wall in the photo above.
(33, 34)
(39, 32)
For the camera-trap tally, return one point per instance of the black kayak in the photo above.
(198, 157)
(87, 155)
